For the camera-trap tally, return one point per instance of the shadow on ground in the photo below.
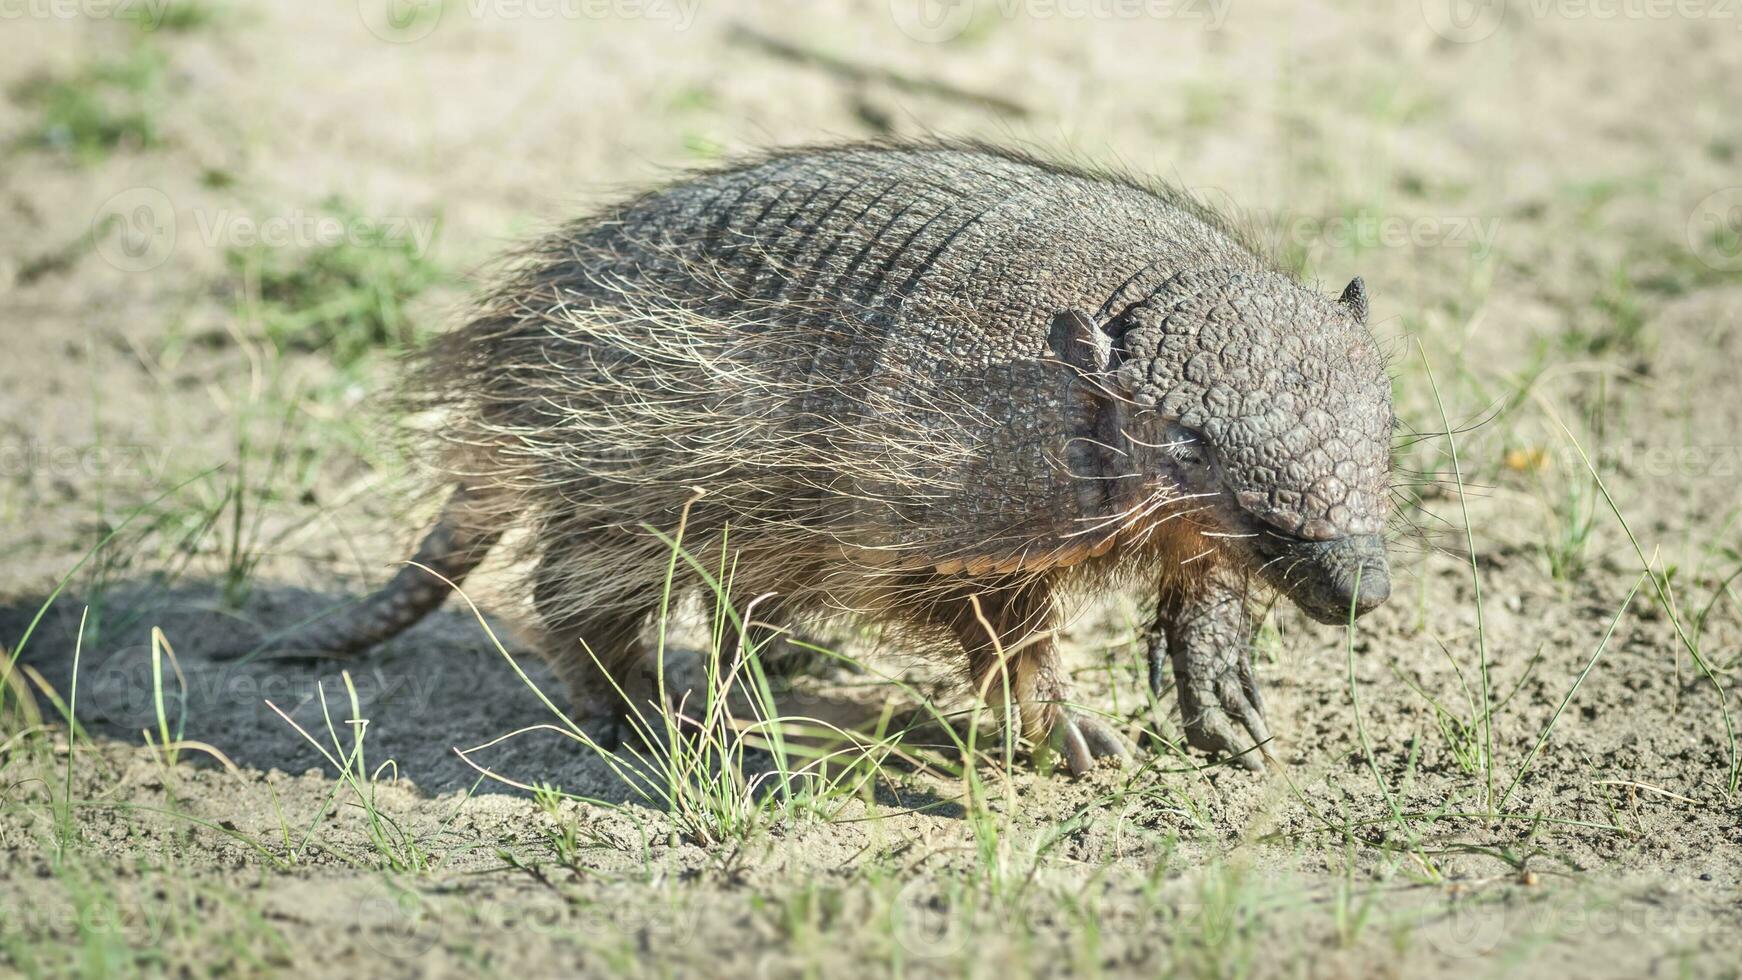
(439, 687)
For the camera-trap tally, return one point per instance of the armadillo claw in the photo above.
(1210, 717)
(1084, 739)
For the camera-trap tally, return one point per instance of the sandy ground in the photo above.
(1545, 204)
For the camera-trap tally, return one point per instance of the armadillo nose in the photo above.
(1330, 579)
(1371, 592)
(1363, 578)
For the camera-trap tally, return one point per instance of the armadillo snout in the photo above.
(1358, 577)
(1330, 579)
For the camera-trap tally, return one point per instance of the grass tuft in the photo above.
(347, 299)
(107, 107)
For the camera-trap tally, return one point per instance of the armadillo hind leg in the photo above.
(598, 656)
(451, 550)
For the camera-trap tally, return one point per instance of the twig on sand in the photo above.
(853, 71)
(1631, 784)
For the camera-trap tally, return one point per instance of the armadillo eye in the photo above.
(1187, 445)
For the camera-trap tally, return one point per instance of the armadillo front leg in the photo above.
(1013, 664)
(1206, 632)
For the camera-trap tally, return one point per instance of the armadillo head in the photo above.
(1270, 407)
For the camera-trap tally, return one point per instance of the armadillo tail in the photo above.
(451, 549)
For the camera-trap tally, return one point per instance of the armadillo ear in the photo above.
(1078, 342)
(1355, 298)
(1096, 402)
